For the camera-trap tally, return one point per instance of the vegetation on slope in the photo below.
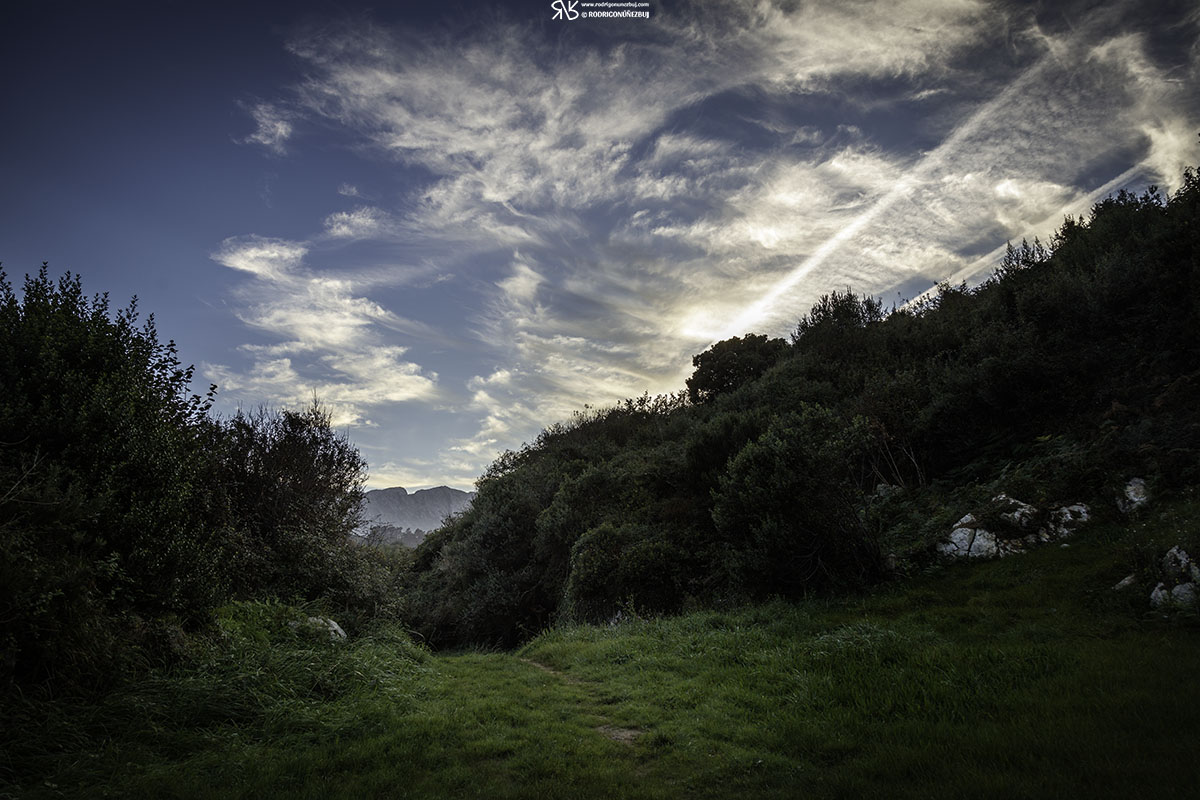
(1026, 677)
(1071, 369)
(128, 513)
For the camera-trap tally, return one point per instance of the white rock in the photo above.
(1064, 520)
(1136, 496)
(958, 543)
(1177, 565)
(1018, 514)
(1160, 596)
(1184, 595)
(967, 539)
(335, 631)
(1126, 582)
(984, 545)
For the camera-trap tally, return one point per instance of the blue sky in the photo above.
(457, 223)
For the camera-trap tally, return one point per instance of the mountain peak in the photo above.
(424, 509)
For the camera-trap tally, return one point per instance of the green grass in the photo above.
(1027, 677)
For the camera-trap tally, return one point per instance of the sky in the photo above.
(457, 223)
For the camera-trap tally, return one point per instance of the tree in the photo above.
(293, 489)
(103, 463)
(836, 314)
(731, 363)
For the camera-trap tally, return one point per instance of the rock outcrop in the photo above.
(1135, 496)
(1012, 527)
(1182, 574)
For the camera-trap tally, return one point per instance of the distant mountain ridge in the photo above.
(422, 510)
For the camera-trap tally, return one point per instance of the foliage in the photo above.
(966, 682)
(293, 489)
(835, 316)
(103, 466)
(731, 363)
(1070, 369)
(629, 567)
(128, 514)
(787, 506)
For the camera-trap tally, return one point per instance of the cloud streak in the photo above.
(582, 214)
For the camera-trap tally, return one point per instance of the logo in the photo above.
(565, 9)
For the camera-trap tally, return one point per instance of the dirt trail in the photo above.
(614, 732)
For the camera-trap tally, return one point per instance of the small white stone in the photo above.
(1126, 582)
(1160, 596)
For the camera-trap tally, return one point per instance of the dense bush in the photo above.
(293, 489)
(787, 507)
(127, 513)
(732, 363)
(615, 568)
(103, 464)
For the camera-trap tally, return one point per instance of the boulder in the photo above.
(1136, 496)
(1063, 521)
(1179, 567)
(325, 624)
(1184, 595)
(1182, 574)
(967, 542)
(1017, 514)
(1177, 597)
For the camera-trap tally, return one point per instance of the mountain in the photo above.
(422, 510)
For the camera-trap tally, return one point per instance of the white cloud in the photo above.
(610, 219)
(266, 258)
(329, 341)
(274, 127)
(362, 223)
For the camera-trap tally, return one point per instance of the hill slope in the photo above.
(1027, 677)
(1073, 369)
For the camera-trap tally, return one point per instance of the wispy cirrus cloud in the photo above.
(273, 127)
(327, 339)
(611, 205)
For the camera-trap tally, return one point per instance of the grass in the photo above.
(1026, 677)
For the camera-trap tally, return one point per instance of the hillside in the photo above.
(827, 464)
(1026, 677)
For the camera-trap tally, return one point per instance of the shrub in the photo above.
(103, 469)
(787, 506)
(293, 488)
(630, 566)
